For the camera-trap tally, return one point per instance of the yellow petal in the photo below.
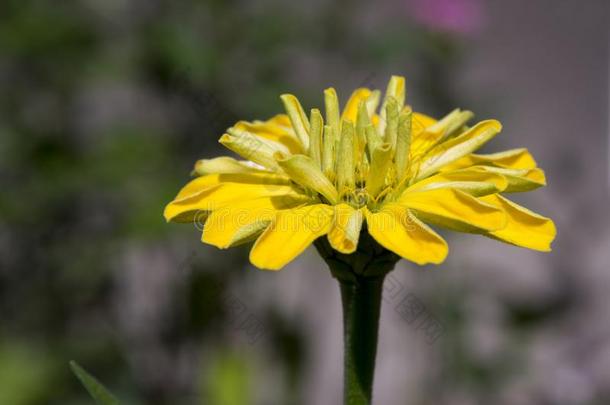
(195, 186)
(454, 209)
(524, 228)
(220, 196)
(518, 179)
(345, 231)
(225, 165)
(453, 149)
(195, 217)
(253, 148)
(207, 193)
(473, 182)
(372, 102)
(395, 91)
(350, 112)
(451, 124)
(510, 159)
(298, 119)
(427, 132)
(396, 229)
(421, 122)
(281, 120)
(290, 234)
(273, 131)
(458, 125)
(239, 222)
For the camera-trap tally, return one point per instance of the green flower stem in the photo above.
(360, 277)
(361, 305)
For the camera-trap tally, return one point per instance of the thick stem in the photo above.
(360, 275)
(361, 305)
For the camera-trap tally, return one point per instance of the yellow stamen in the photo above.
(303, 171)
(403, 142)
(378, 171)
(315, 145)
(345, 159)
(331, 104)
(328, 152)
(391, 129)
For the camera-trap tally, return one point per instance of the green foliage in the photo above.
(98, 392)
(229, 382)
(25, 374)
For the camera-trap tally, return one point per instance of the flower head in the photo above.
(376, 166)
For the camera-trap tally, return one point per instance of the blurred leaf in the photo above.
(97, 391)
(26, 373)
(229, 381)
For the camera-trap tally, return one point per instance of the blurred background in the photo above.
(106, 105)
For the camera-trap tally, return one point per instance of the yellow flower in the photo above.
(388, 171)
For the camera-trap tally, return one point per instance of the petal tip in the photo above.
(496, 124)
(166, 214)
(265, 265)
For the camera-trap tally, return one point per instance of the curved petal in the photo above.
(350, 112)
(421, 122)
(454, 209)
(203, 183)
(304, 171)
(510, 159)
(240, 222)
(474, 182)
(519, 180)
(225, 165)
(447, 127)
(524, 228)
(211, 192)
(298, 118)
(253, 148)
(396, 229)
(345, 232)
(277, 129)
(282, 120)
(219, 196)
(422, 134)
(454, 148)
(291, 232)
(187, 213)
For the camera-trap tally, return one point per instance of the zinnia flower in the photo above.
(388, 171)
